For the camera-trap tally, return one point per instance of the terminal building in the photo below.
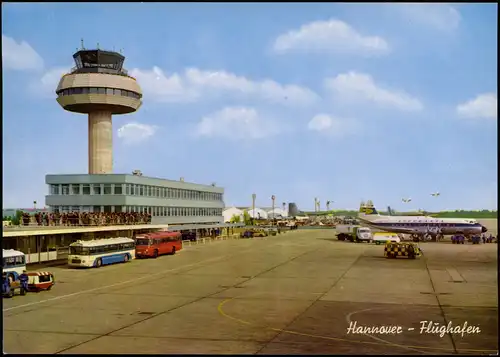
(99, 87)
(168, 202)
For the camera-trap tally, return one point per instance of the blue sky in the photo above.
(344, 102)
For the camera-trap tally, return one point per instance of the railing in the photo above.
(76, 219)
(98, 224)
(206, 240)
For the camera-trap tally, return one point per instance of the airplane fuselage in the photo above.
(422, 224)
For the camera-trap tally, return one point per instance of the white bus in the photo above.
(14, 262)
(99, 252)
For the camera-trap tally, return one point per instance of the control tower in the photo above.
(100, 87)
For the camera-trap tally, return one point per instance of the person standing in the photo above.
(23, 278)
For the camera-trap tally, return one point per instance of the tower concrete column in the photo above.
(100, 143)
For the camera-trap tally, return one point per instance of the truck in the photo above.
(354, 233)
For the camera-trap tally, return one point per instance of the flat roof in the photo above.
(98, 242)
(40, 231)
(128, 178)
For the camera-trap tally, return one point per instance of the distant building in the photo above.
(258, 213)
(228, 213)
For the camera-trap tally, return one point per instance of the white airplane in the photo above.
(406, 200)
(435, 194)
(419, 226)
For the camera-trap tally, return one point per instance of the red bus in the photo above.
(158, 243)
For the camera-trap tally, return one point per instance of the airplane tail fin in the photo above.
(293, 210)
(390, 212)
(367, 209)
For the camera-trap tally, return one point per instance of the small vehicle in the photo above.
(379, 238)
(402, 249)
(260, 233)
(191, 236)
(40, 280)
(272, 231)
(247, 234)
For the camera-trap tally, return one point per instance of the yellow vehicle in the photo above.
(260, 233)
(402, 249)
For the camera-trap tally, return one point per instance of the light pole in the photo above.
(34, 204)
(315, 204)
(273, 198)
(254, 196)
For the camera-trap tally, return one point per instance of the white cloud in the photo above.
(443, 17)
(135, 133)
(47, 84)
(19, 55)
(195, 84)
(361, 87)
(236, 123)
(330, 36)
(483, 106)
(327, 124)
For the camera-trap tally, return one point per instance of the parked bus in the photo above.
(14, 263)
(155, 244)
(99, 252)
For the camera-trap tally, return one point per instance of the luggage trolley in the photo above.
(402, 249)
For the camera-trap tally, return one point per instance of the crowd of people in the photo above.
(85, 218)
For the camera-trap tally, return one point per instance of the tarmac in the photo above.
(295, 293)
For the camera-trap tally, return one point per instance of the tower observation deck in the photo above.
(100, 87)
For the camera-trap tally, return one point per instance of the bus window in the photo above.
(13, 261)
(79, 250)
(142, 241)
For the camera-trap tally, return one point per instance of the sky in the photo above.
(343, 102)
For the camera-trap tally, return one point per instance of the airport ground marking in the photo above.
(223, 313)
(113, 285)
(123, 282)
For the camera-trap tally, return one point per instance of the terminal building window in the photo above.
(75, 189)
(96, 189)
(135, 190)
(118, 189)
(65, 189)
(107, 189)
(99, 90)
(54, 189)
(160, 211)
